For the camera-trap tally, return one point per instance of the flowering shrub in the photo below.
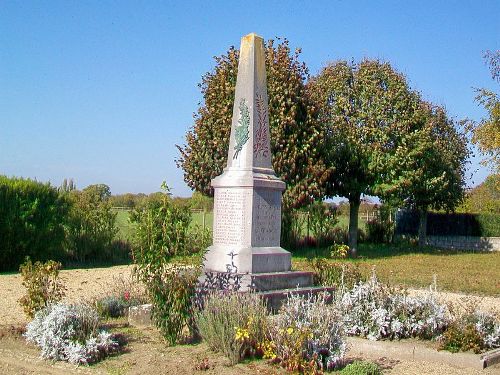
(70, 333)
(233, 323)
(307, 334)
(338, 250)
(374, 311)
(473, 330)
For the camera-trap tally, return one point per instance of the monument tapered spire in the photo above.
(249, 144)
(247, 195)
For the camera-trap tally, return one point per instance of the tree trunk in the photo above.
(422, 228)
(354, 203)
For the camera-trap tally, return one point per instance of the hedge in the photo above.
(31, 221)
(452, 224)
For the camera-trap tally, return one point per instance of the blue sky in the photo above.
(101, 91)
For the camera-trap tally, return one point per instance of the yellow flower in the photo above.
(289, 330)
(241, 334)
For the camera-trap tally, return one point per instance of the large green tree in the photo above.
(429, 166)
(365, 110)
(486, 133)
(295, 133)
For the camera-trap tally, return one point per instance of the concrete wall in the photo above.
(465, 243)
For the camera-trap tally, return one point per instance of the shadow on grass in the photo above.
(376, 251)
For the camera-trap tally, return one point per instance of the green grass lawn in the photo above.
(406, 265)
(197, 219)
(125, 228)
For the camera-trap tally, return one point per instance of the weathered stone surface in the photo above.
(247, 195)
(140, 316)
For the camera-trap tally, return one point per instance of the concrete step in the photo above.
(280, 280)
(275, 298)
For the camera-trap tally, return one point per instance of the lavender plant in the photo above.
(232, 323)
(70, 333)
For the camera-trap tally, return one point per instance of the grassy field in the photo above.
(125, 228)
(409, 266)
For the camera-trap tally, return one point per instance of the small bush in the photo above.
(233, 324)
(329, 273)
(198, 240)
(381, 228)
(42, 284)
(471, 330)
(459, 338)
(161, 229)
(171, 289)
(292, 224)
(307, 334)
(373, 310)
(361, 368)
(112, 306)
(322, 220)
(123, 293)
(338, 251)
(70, 333)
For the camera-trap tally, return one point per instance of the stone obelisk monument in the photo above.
(247, 195)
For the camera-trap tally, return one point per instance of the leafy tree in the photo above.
(429, 166)
(486, 133)
(295, 133)
(67, 186)
(365, 110)
(201, 202)
(91, 223)
(484, 198)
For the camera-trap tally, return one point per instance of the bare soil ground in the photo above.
(146, 352)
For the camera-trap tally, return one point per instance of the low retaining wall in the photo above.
(465, 243)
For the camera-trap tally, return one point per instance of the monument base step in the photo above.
(276, 298)
(268, 281)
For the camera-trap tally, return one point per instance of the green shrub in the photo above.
(170, 288)
(459, 338)
(381, 228)
(162, 229)
(233, 323)
(322, 220)
(112, 306)
(361, 368)
(292, 223)
(42, 285)
(328, 273)
(471, 330)
(91, 224)
(31, 222)
(198, 240)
